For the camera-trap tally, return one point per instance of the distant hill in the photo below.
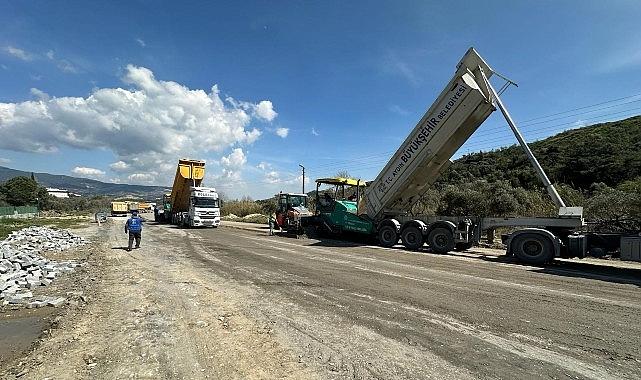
(86, 187)
(606, 152)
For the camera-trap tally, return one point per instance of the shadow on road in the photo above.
(591, 270)
(346, 240)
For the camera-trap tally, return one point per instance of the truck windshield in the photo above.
(296, 201)
(205, 202)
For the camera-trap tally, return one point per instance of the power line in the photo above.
(523, 124)
(378, 160)
(633, 111)
(381, 163)
(526, 124)
(471, 144)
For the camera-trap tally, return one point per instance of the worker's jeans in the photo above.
(132, 236)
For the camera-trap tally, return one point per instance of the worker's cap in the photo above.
(134, 212)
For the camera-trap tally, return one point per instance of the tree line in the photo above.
(26, 191)
(596, 167)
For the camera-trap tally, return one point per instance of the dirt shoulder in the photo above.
(153, 313)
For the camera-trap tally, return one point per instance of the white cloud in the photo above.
(235, 160)
(62, 64)
(314, 132)
(5, 161)
(18, 53)
(142, 178)
(88, 172)
(272, 177)
(39, 94)
(265, 110)
(264, 165)
(67, 67)
(141, 42)
(233, 164)
(119, 166)
(579, 124)
(282, 132)
(147, 127)
(395, 65)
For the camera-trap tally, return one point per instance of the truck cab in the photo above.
(204, 208)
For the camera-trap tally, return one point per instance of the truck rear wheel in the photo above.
(412, 238)
(387, 236)
(532, 248)
(441, 240)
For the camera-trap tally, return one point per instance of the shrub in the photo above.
(241, 208)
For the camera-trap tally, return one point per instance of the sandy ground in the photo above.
(152, 313)
(232, 304)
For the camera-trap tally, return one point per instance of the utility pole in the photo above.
(302, 167)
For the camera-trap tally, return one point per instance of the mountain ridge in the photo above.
(86, 186)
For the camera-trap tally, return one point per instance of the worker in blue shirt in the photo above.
(134, 228)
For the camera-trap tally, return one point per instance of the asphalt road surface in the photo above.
(369, 312)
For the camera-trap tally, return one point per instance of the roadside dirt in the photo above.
(152, 314)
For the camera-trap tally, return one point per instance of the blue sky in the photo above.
(331, 85)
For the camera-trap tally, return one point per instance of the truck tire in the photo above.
(532, 248)
(441, 240)
(387, 236)
(463, 246)
(412, 238)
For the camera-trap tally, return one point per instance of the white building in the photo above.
(58, 193)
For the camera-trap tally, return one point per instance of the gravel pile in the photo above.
(22, 267)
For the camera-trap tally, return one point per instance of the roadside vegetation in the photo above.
(596, 167)
(25, 192)
(8, 225)
(248, 210)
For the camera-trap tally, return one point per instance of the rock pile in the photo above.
(22, 267)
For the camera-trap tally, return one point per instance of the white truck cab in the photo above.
(204, 208)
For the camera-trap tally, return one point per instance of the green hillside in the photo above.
(597, 167)
(609, 153)
(85, 186)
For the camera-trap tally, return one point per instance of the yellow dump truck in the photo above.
(191, 204)
(119, 208)
(133, 206)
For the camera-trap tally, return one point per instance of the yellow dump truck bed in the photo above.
(119, 208)
(188, 173)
